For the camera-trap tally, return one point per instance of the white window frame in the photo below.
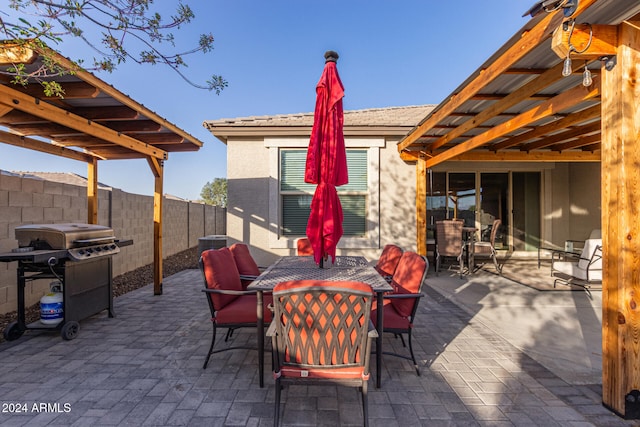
(372, 224)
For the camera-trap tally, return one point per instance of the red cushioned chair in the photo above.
(401, 305)
(231, 306)
(388, 261)
(245, 263)
(304, 247)
(321, 334)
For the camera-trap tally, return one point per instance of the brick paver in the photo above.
(144, 367)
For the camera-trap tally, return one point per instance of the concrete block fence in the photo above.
(28, 200)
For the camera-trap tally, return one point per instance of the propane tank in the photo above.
(51, 312)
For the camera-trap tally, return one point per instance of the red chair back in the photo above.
(304, 247)
(220, 272)
(408, 279)
(244, 262)
(388, 260)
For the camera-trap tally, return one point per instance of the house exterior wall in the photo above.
(568, 211)
(32, 201)
(253, 197)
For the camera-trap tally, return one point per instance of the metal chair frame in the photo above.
(399, 332)
(321, 334)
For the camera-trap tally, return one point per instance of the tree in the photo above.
(128, 30)
(215, 193)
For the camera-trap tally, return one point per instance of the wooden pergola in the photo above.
(93, 121)
(518, 106)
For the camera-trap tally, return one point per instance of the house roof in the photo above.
(60, 177)
(93, 121)
(372, 121)
(518, 105)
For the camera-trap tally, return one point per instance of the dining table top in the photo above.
(345, 268)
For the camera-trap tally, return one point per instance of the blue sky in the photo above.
(392, 53)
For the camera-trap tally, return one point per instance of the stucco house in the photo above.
(539, 203)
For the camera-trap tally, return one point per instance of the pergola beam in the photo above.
(514, 156)
(43, 147)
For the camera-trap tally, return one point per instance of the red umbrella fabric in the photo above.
(326, 163)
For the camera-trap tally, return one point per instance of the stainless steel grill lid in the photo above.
(62, 236)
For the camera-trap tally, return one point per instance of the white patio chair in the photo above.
(583, 271)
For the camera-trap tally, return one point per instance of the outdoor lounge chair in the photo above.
(584, 271)
(388, 261)
(401, 305)
(231, 306)
(321, 334)
(488, 249)
(449, 243)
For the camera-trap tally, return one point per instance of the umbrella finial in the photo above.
(331, 56)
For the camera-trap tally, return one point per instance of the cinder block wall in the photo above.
(34, 201)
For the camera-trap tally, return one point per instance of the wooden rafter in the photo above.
(17, 99)
(561, 102)
(540, 131)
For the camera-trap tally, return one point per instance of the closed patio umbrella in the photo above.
(326, 163)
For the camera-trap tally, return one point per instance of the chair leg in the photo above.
(365, 404)
(437, 264)
(415, 364)
(276, 413)
(213, 341)
(495, 262)
(401, 339)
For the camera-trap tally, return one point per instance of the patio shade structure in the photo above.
(520, 106)
(93, 122)
(326, 163)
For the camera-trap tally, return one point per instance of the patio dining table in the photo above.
(345, 268)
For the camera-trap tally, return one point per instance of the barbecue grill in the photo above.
(77, 255)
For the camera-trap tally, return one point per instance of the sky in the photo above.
(392, 53)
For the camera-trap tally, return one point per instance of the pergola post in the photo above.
(92, 191)
(421, 205)
(620, 226)
(157, 167)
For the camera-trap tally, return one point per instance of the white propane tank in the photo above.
(51, 312)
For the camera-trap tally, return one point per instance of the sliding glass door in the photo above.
(481, 197)
(526, 211)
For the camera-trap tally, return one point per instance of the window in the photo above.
(290, 197)
(296, 195)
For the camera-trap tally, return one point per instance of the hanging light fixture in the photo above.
(587, 80)
(567, 67)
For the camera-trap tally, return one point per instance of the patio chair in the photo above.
(488, 249)
(449, 243)
(321, 335)
(583, 271)
(247, 267)
(401, 305)
(304, 247)
(576, 246)
(388, 261)
(230, 305)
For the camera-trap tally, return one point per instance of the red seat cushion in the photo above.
(351, 372)
(244, 262)
(220, 272)
(392, 319)
(243, 310)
